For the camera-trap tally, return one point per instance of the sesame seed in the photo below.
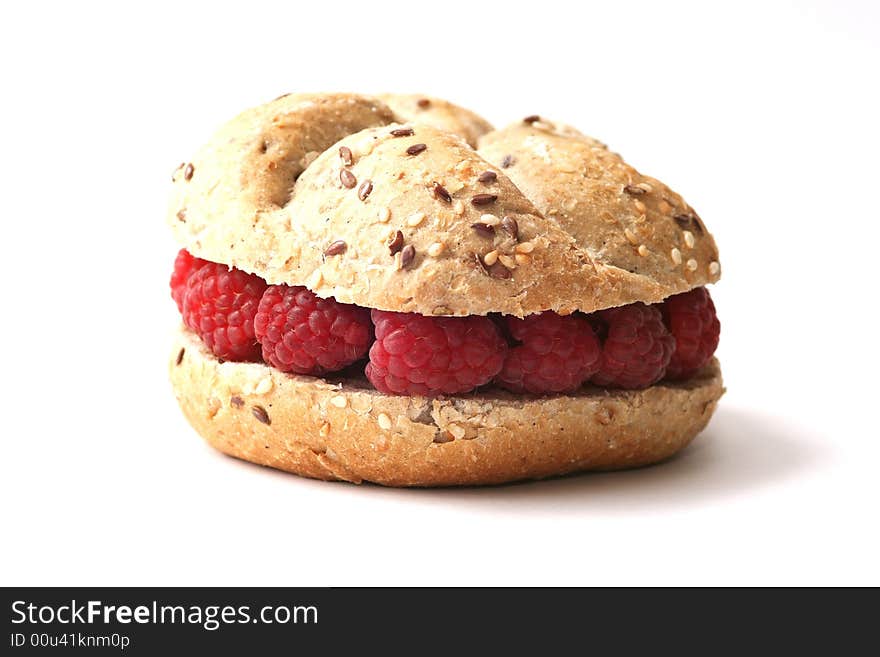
(643, 250)
(488, 177)
(640, 207)
(384, 214)
(335, 248)
(423, 103)
(675, 254)
(456, 431)
(415, 219)
(402, 132)
(365, 189)
(458, 208)
(692, 264)
(347, 178)
(489, 219)
(509, 226)
(630, 236)
(634, 190)
(507, 261)
(188, 172)
(407, 255)
(645, 187)
(485, 230)
(531, 118)
(384, 421)
(508, 161)
(315, 279)
(688, 239)
(415, 149)
(436, 249)
(441, 193)
(490, 258)
(714, 268)
(525, 247)
(484, 199)
(261, 414)
(339, 401)
(522, 259)
(396, 244)
(346, 156)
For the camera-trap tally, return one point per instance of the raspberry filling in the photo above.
(241, 318)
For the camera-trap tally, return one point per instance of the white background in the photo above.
(764, 115)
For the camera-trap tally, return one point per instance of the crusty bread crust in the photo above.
(418, 108)
(282, 182)
(344, 430)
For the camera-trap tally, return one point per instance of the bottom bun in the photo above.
(342, 429)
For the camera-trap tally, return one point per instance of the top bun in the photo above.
(384, 207)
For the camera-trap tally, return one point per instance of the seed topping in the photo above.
(415, 149)
(261, 414)
(484, 199)
(509, 226)
(403, 132)
(415, 219)
(407, 255)
(634, 190)
(365, 189)
(346, 156)
(347, 178)
(486, 230)
(488, 177)
(336, 248)
(396, 243)
(441, 193)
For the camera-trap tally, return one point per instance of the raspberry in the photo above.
(302, 333)
(184, 265)
(691, 319)
(219, 305)
(557, 354)
(636, 347)
(418, 355)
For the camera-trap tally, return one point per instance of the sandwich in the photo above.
(387, 289)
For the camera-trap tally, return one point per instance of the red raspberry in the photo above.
(302, 333)
(557, 354)
(636, 347)
(219, 305)
(184, 265)
(418, 355)
(691, 319)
